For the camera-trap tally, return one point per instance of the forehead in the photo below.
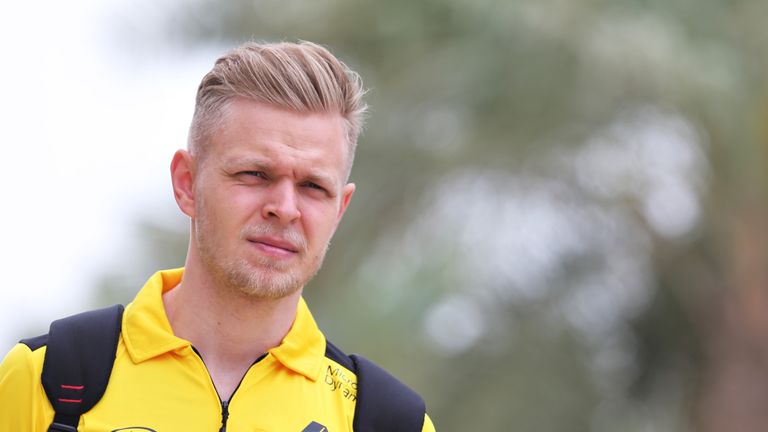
(251, 129)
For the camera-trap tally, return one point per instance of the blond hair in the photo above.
(304, 77)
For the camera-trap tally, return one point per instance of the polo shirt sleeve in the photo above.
(20, 392)
(428, 426)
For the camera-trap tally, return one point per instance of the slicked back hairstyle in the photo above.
(303, 77)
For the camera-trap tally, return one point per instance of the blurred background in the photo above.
(561, 221)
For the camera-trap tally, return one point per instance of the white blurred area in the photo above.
(88, 127)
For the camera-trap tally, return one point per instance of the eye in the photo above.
(250, 177)
(313, 185)
(259, 174)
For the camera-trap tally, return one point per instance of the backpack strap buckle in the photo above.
(60, 427)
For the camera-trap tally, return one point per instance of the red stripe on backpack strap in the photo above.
(71, 387)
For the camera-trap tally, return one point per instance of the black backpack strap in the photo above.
(78, 362)
(383, 402)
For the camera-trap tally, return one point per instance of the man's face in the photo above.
(269, 194)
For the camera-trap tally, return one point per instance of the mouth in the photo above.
(274, 246)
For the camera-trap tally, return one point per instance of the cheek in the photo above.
(240, 205)
(319, 221)
(226, 211)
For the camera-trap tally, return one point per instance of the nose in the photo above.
(281, 204)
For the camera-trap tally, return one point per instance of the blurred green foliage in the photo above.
(541, 238)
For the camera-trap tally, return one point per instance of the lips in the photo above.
(274, 245)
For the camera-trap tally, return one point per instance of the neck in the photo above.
(229, 329)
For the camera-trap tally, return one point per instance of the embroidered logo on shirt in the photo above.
(133, 429)
(315, 427)
(338, 379)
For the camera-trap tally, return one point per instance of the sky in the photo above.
(89, 124)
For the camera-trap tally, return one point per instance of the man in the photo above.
(228, 343)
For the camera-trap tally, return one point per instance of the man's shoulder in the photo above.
(27, 353)
(24, 362)
(20, 390)
(382, 401)
(22, 366)
(334, 353)
(35, 343)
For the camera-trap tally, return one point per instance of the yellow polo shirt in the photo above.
(159, 383)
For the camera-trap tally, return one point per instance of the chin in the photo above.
(266, 283)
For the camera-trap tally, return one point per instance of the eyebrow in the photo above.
(266, 165)
(248, 162)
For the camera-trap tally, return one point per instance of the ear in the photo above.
(346, 197)
(183, 180)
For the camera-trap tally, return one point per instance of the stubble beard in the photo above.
(259, 277)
